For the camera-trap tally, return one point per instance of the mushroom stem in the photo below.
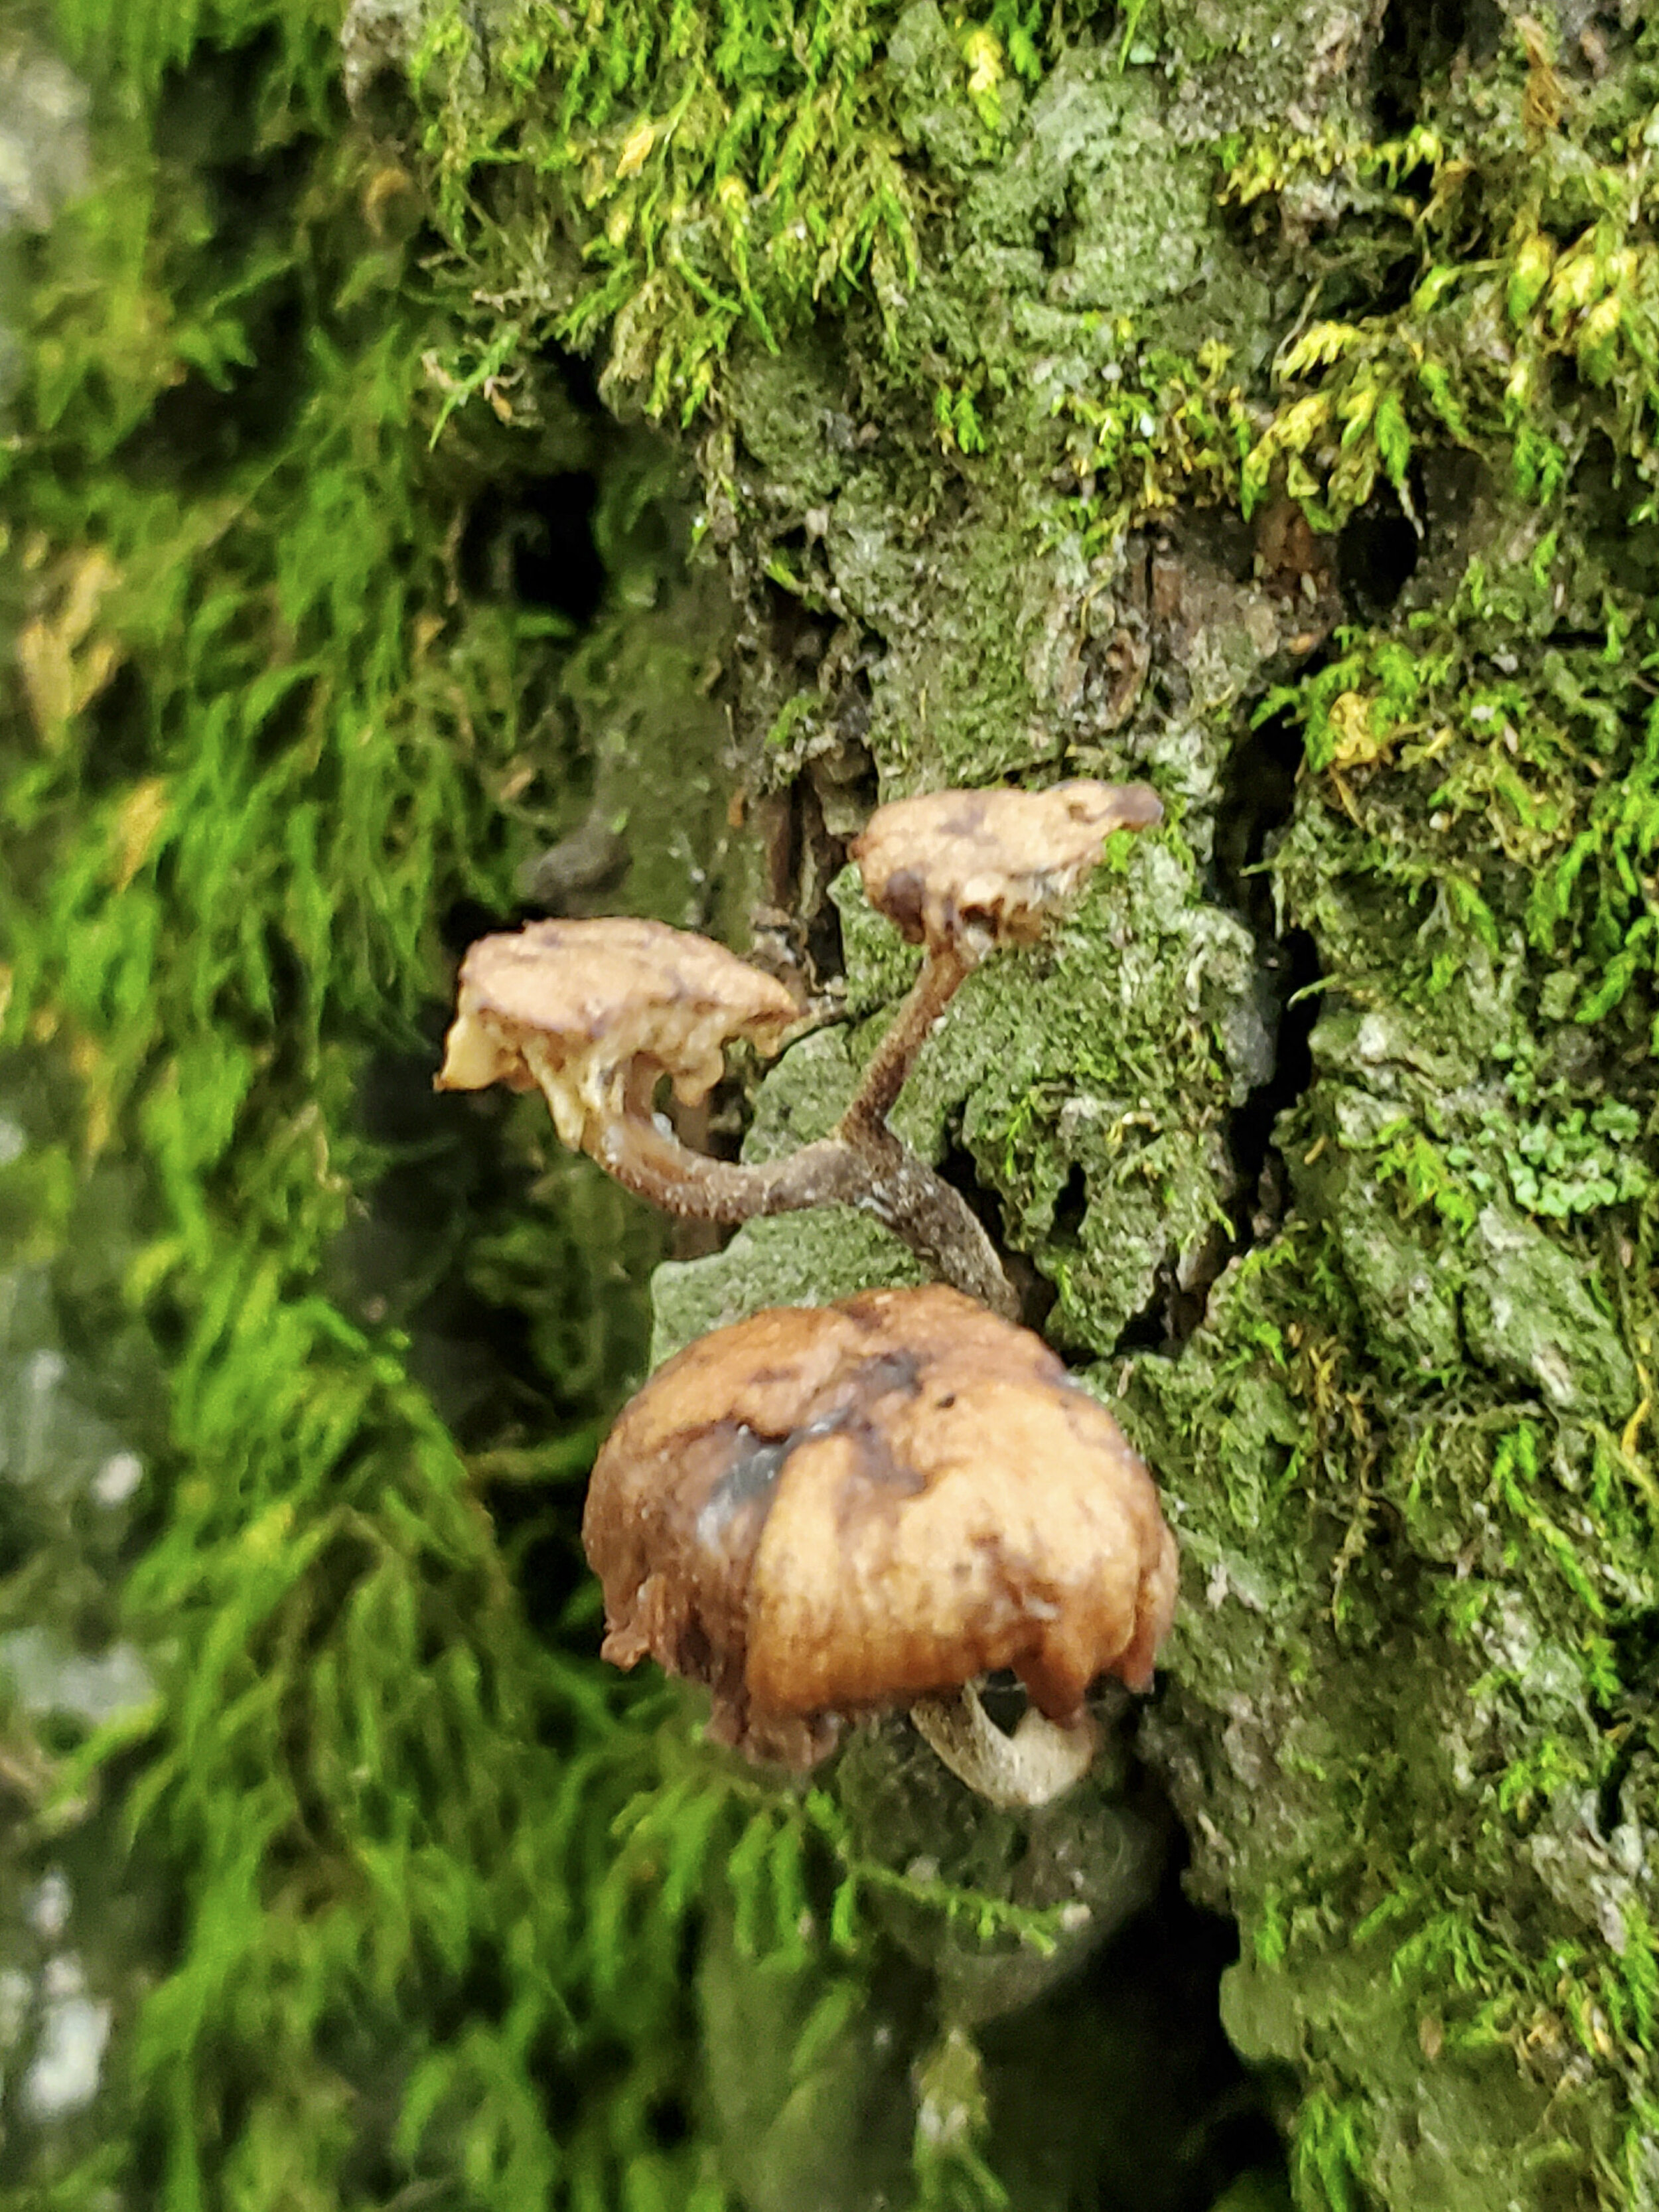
(943, 973)
(646, 1157)
(879, 1174)
(1039, 1762)
(933, 1217)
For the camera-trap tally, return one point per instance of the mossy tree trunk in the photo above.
(1258, 398)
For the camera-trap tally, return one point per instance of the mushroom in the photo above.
(597, 1012)
(820, 1512)
(971, 872)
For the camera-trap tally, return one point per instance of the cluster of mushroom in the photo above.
(823, 1512)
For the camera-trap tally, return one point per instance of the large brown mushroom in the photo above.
(820, 1512)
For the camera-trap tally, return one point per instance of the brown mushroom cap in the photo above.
(821, 1511)
(570, 1005)
(985, 868)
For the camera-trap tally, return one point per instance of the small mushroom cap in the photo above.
(980, 869)
(823, 1510)
(571, 1005)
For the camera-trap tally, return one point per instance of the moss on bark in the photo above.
(1400, 1338)
(1258, 397)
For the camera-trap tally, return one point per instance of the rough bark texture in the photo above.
(1375, 1284)
(1255, 398)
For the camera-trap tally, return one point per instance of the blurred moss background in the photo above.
(309, 1771)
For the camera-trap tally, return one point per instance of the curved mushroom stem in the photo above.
(1039, 1762)
(917, 1204)
(880, 1175)
(933, 1217)
(946, 967)
(646, 1157)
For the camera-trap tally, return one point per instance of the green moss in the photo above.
(277, 720)
(1532, 305)
(1429, 1394)
(715, 177)
(1432, 1575)
(1408, 1446)
(996, 336)
(432, 1870)
(712, 194)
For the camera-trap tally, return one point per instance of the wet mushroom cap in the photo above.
(824, 1510)
(569, 1004)
(987, 868)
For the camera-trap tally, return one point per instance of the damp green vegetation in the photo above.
(684, 192)
(708, 176)
(376, 1883)
(1056, 411)
(1518, 216)
(1451, 1579)
(713, 187)
(1424, 1464)
(353, 1794)
(1544, 784)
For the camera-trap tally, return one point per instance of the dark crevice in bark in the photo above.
(1192, 2120)
(1626, 1721)
(957, 1166)
(1154, 1328)
(797, 924)
(532, 542)
(1037, 1294)
(1378, 552)
(798, 634)
(1070, 1207)
(1258, 797)
(1416, 46)
(1293, 965)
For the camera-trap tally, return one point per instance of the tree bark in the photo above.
(1256, 400)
